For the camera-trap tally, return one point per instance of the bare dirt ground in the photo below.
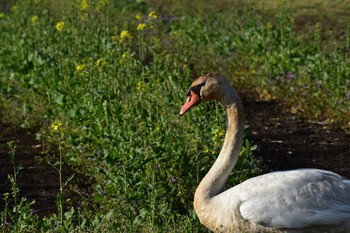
(289, 141)
(285, 141)
(37, 180)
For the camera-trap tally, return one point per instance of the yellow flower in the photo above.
(125, 35)
(60, 26)
(100, 62)
(35, 19)
(14, 8)
(269, 26)
(84, 5)
(126, 55)
(56, 126)
(80, 68)
(141, 27)
(157, 129)
(153, 15)
(138, 16)
(141, 87)
(101, 4)
(218, 136)
(175, 33)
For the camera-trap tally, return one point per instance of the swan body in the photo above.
(302, 200)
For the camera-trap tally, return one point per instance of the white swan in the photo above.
(303, 200)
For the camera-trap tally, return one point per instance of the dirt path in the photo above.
(285, 141)
(288, 141)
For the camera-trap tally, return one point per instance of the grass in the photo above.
(113, 75)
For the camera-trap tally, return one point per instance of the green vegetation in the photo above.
(308, 69)
(104, 81)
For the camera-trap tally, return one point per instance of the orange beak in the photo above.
(192, 100)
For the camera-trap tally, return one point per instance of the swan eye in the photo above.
(196, 89)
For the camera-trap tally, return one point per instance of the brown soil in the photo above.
(37, 180)
(288, 141)
(285, 141)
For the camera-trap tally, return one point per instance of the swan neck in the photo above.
(213, 183)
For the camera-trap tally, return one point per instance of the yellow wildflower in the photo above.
(14, 8)
(84, 5)
(141, 87)
(153, 15)
(175, 33)
(141, 27)
(125, 35)
(269, 26)
(138, 16)
(56, 126)
(100, 62)
(35, 19)
(218, 136)
(80, 68)
(60, 26)
(126, 55)
(157, 129)
(101, 4)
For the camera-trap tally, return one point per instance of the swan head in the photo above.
(206, 88)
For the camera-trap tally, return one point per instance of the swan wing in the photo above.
(296, 199)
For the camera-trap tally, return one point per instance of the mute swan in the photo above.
(303, 200)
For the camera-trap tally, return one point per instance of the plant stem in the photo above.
(60, 193)
(12, 147)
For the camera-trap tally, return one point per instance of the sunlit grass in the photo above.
(260, 50)
(114, 75)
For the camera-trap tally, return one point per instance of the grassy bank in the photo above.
(103, 81)
(295, 58)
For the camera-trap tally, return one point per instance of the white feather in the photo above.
(295, 199)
